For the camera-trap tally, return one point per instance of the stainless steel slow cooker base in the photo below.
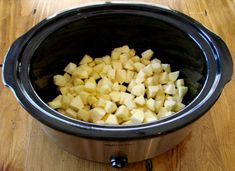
(104, 151)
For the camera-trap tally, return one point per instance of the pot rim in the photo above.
(214, 82)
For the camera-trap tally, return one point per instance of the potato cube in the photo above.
(107, 59)
(131, 85)
(147, 54)
(67, 77)
(122, 113)
(158, 105)
(151, 104)
(124, 58)
(97, 114)
(98, 61)
(149, 81)
(115, 96)
(123, 96)
(77, 81)
(135, 58)
(129, 76)
(182, 91)
(76, 103)
(121, 75)
(86, 59)
(129, 65)
(116, 64)
(138, 66)
(71, 113)
(91, 100)
(70, 68)
(76, 89)
(149, 113)
(148, 70)
(169, 104)
(106, 69)
(95, 75)
(166, 68)
(149, 116)
(56, 103)
(140, 100)
(59, 80)
(178, 106)
(125, 49)
(90, 85)
(112, 120)
(92, 64)
(115, 55)
(138, 90)
(129, 102)
(177, 98)
(179, 83)
(84, 95)
(118, 49)
(81, 73)
(145, 61)
(64, 90)
(163, 112)
(105, 89)
(107, 81)
(137, 116)
(116, 86)
(86, 68)
(110, 107)
(66, 100)
(101, 103)
(152, 91)
(132, 52)
(150, 119)
(160, 96)
(156, 67)
(84, 115)
(170, 89)
(140, 77)
(155, 60)
(163, 78)
(99, 67)
(173, 75)
(111, 74)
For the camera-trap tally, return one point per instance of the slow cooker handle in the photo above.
(11, 64)
(226, 59)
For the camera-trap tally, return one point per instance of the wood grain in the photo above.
(23, 145)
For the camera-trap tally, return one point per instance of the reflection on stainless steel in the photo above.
(101, 151)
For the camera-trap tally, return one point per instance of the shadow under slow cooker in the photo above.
(98, 35)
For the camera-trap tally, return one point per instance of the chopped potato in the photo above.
(121, 89)
(86, 59)
(97, 114)
(112, 120)
(76, 103)
(59, 80)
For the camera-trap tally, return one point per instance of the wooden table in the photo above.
(23, 145)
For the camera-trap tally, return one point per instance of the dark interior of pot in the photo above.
(98, 35)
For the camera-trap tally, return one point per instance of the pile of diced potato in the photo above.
(119, 89)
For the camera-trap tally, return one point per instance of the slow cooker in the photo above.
(202, 58)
